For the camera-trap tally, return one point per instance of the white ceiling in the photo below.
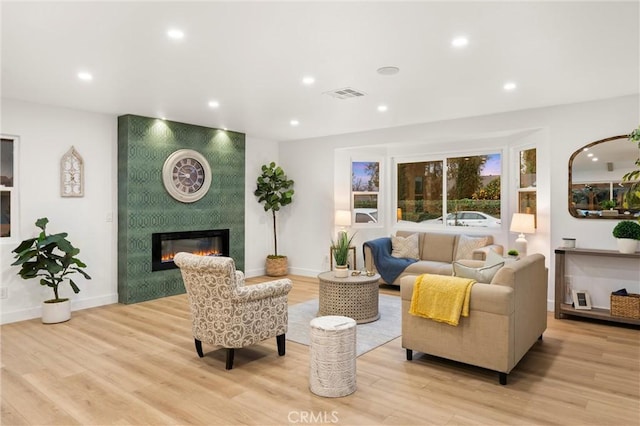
(251, 57)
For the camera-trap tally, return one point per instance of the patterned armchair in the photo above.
(227, 313)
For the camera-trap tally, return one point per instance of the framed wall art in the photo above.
(72, 174)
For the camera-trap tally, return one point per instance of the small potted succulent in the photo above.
(627, 233)
(52, 258)
(513, 253)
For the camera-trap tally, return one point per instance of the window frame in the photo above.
(379, 193)
(13, 190)
(444, 157)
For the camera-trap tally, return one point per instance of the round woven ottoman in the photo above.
(332, 364)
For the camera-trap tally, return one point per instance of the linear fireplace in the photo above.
(165, 245)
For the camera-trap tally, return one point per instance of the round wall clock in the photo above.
(186, 175)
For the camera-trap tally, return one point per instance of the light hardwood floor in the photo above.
(136, 364)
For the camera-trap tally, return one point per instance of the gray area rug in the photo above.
(368, 336)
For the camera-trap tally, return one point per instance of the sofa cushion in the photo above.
(482, 275)
(467, 244)
(405, 246)
(438, 247)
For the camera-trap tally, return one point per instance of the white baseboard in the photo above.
(76, 305)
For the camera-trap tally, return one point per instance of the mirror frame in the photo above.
(572, 212)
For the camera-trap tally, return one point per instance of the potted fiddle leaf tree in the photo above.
(52, 259)
(634, 175)
(274, 191)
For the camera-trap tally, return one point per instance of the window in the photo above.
(365, 188)
(467, 194)
(7, 188)
(527, 194)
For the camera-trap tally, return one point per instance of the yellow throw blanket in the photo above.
(441, 298)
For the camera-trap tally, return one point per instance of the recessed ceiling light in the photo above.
(175, 34)
(85, 76)
(308, 80)
(509, 86)
(594, 159)
(214, 104)
(294, 122)
(460, 42)
(382, 108)
(388, 70)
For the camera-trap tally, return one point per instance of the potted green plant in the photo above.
(52, 258)
(608, 204)
(513, 253)
(340, 248)
(274, 191)
(627, 233)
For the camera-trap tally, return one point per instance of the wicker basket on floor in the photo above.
(625, 306)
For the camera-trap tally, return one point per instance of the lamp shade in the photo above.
(523, 223)
(343, 218)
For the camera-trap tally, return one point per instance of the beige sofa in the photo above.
(437, 252)
(506, 318)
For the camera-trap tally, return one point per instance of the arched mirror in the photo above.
(596, 189)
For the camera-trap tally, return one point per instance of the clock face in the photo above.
(186, 175)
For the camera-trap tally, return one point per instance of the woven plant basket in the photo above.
(625, 306)
(276, 266)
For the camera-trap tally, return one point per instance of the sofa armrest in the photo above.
(481, 253)
(369, 264)
(484, 297)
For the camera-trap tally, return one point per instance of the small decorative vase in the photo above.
(341, 271)
(627, 245)
(55, 312)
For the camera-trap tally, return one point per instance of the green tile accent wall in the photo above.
(145, 207)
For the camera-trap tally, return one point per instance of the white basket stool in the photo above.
(332, 362)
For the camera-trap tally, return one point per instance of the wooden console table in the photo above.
(563, 309)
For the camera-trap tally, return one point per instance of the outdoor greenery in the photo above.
(341, 248)
(627, 229)
(50, 257)
(634, 175)
(274, 191)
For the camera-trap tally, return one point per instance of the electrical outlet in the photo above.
(4, 292)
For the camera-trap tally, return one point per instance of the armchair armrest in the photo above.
(481, 253)
(262, 291)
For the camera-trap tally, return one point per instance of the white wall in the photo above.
(46, 133)
(258, 232)
(557, 132)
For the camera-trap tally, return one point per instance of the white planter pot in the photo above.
(627, 245)
(341, 272)
(53, 313)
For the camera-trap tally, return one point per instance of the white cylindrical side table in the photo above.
(332, 361)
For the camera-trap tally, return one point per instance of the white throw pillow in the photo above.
(481, 275)
(467, 244)
(493, 258)
(405, 246)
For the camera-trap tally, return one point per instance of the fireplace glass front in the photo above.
(203, 243)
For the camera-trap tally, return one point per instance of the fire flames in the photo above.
(168, 257)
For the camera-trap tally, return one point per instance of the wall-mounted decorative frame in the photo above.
(72, 174)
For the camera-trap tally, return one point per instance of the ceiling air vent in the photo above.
(345, 93)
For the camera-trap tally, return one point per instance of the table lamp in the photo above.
(523, 223)
(342, 219)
